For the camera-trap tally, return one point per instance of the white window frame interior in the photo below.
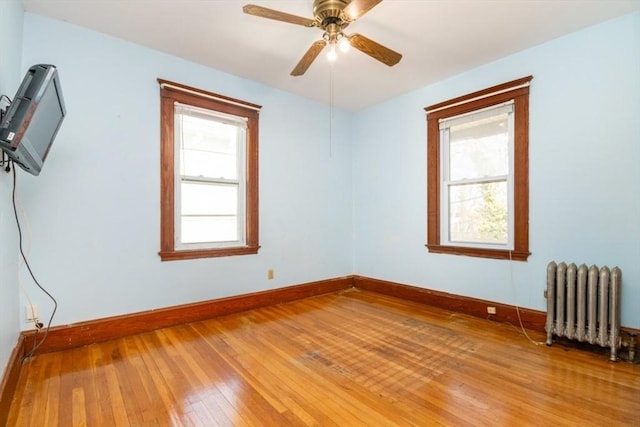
(446, 183)
(239, 182)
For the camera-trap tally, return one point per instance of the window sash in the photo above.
(446, 184)
(238, 183)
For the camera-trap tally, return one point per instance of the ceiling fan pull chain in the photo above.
(331, 103)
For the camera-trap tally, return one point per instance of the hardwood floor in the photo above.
(344, 359)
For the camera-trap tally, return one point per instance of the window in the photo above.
(478, 167)
(209, 174)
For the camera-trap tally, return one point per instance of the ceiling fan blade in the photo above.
(264, 12)
(308, 58)
(357, 8)
(374, 49)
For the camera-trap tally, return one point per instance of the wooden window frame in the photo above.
(170, 93)
(518, 91)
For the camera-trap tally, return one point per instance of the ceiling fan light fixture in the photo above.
(344, 44)
(332, 55)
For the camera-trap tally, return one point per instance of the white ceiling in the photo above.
(438, 38)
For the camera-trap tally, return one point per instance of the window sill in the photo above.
(207, 253)
(479, 252)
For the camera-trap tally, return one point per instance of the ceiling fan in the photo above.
(331, 16)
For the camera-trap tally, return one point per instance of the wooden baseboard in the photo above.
(531, 319)
(10, 381)
(99, 330)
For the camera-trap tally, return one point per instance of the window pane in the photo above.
(478, 213)
(209, 212)
(203, 229)
(479, 148)
(208, 148)
(208, 199)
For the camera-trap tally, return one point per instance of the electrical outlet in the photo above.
(491, 310)
(270, 274)
(31, 312)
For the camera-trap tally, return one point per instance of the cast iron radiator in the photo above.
(583, 304)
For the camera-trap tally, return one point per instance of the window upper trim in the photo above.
(177, 87)
(518, 91)
(170, 94)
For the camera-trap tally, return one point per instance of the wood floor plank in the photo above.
(78, 405)
(52, 390)
(100, 406)
(352, 358)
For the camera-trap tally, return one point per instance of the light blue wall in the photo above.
(11, 13)
(94, 210)
(584, 173)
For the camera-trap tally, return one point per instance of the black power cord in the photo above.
(36, 343)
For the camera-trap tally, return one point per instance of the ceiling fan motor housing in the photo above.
(327, 12)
